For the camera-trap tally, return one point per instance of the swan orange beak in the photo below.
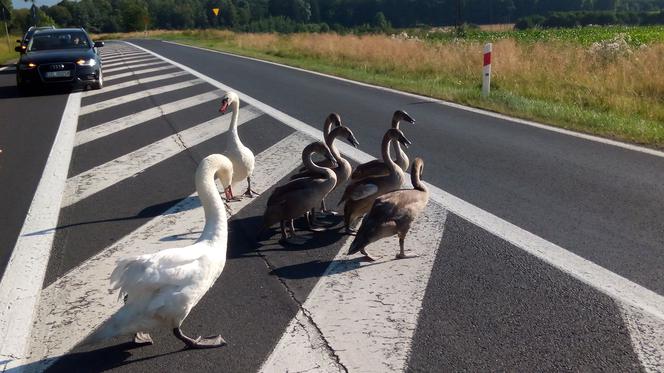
(224, 106)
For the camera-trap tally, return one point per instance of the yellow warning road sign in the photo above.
(215, 11)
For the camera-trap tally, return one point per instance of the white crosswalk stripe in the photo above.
(139, 72)
(101, 177)
(112, 70)
(128, 62)
(128, 121)
(134, 83)
(373, 305)
(66, 322)
(138, 95)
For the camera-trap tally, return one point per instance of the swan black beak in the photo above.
(404, 141)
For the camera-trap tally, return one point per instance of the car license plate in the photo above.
(58, 74)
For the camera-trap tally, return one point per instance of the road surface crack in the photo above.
(330, 351)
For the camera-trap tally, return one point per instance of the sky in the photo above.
(26, 4)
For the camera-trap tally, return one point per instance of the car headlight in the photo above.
(84, 62)
(27, 66)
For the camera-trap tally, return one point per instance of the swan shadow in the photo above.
(98, 360)
(187, 236)
(165, 208)
(317, 268)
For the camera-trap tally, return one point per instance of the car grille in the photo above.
(59, 66)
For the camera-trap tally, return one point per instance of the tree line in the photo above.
(310, 15)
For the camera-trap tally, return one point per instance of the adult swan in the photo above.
(160, 289)
(241, 156)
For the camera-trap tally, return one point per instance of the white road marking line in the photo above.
(138, 95)
(584, 136)
(140, 65)
(582, 269)
(367, 313)
(123, 54)
(138, 72)
(128, 62)
(78, 302)
(132, 83)
(110, 173)
(20, 293)
(105, 129)
(645, 332)
(121, 57)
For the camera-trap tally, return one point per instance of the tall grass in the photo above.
(7, 53)
(614, 89)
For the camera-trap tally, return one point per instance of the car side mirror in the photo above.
(99, 44)
(19, 40)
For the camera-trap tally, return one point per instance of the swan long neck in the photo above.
(235, 106)
(400, 155)
(385, 150)
(215, 229)
(415, 179)
(329, 141)
(313, 167)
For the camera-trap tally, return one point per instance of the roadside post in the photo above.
(486, 71)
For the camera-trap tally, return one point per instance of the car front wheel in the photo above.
(99, 83)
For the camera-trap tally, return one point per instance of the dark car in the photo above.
(60, 56)
(23, 43)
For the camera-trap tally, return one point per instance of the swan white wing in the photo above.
(363, 191)
(146, 273)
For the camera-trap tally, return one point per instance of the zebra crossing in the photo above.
(342, 304)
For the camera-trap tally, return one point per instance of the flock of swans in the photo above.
(159, 290)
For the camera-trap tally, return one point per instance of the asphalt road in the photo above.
(487, 305)
(598, 201)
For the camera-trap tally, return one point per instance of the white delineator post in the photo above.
(486, 71)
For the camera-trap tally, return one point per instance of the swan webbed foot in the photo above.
(142, 338)
(367, 257)
(251, 193)
(406, 256)
(350, 231)
(200, 342)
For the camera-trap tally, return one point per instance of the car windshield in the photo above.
(58, 40)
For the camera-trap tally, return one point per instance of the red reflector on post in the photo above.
(487, 59)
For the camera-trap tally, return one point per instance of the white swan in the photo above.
(241, 156)
(160, 289)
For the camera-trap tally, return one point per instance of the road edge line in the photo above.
(23, 278)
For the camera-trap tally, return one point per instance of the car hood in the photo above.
(57, 55)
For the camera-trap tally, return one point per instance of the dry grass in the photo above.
(561, 83)
(7, 52)
(498, 27)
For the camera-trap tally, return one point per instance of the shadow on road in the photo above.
(98, 360)
(148, 212)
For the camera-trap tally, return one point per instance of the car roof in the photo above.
(60, 31)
